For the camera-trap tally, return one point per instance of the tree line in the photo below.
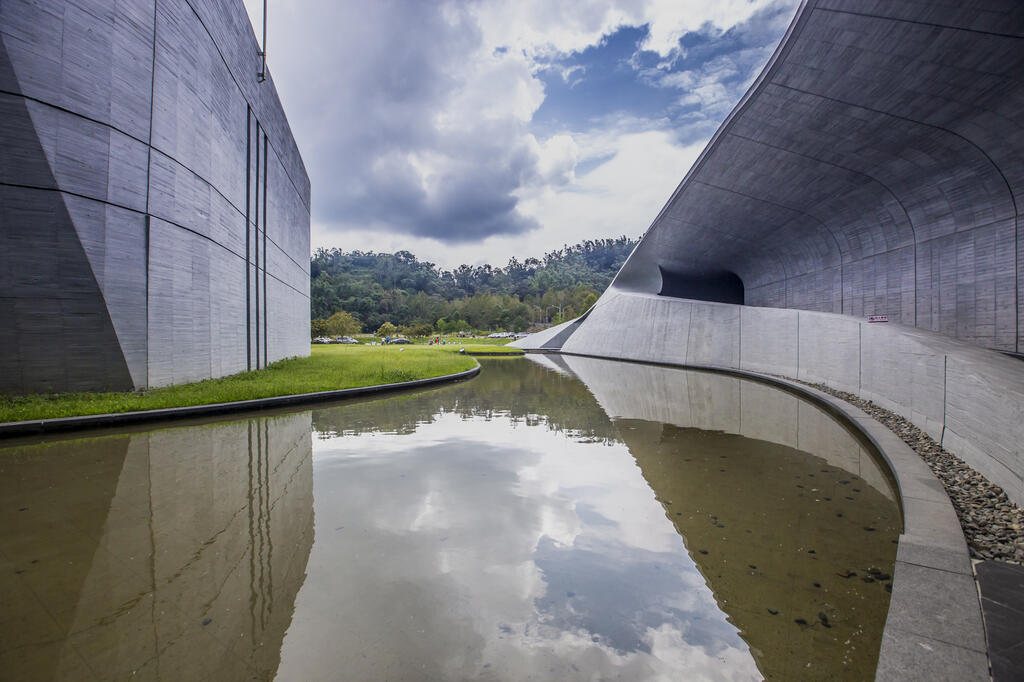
(359, 291)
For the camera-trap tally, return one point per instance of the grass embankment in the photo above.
(473, 346)
(328, 368)
(479, 349)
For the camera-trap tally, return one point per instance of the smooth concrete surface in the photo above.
(875, 167)
(971, 400)
(92, 421)
(934, 629)
(154, 206)
(545, 338)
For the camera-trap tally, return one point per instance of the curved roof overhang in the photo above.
(876, 166)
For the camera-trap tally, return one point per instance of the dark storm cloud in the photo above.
(365, 84)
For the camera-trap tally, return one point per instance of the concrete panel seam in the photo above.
(70, 112)
(150, 149)
(931, 24)
(945, 396)
(231, 72)
(981, 150)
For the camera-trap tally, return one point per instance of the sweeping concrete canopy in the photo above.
(876, 166)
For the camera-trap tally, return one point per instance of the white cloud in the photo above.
(620, 196)
(459, 574)
(544, 28)
(426, 144)
(670, 20)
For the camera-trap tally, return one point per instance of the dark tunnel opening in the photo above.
(718, 286)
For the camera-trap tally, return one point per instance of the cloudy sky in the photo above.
(472, 131)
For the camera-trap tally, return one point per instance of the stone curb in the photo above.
(934, 630)
(495, 355)
(41, 426)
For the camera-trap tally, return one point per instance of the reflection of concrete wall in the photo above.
(749, 512)
(230, 527)
(717, 402)
(56, 504)
(968, 398)
(192, 571)
(155, 208)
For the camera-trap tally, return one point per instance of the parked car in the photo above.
(322, 339)
(345, 339)
(400, 340)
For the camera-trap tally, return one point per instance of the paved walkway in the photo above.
(1002, 603)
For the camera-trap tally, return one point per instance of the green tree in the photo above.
(421, 329)
(386, 329)
(317, 328)
(398, 288)
(343, 324)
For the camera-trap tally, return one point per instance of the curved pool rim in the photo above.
(934, 626)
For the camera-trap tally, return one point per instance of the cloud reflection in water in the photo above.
(484, 547)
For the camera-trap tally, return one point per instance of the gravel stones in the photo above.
(992, 524)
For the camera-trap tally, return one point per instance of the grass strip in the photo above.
(328, 368)
(474, 348)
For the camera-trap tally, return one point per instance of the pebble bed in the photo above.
(992, 524)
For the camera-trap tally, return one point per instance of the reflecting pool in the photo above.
(553, 518)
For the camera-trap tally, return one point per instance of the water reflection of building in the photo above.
(776, 532)
(176, 553)
(719, 402)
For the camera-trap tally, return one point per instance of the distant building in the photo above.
(154, 208)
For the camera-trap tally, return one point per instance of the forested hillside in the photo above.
(419, 298)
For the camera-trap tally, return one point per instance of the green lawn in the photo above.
(328, 368)
(450, 339)
(472, 348)
(454, 343)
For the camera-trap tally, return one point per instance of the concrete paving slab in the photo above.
(936, 604)
(934, 522)
(908, 657)
(919, 552)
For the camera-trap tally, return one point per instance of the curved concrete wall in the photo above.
(969, 399)
(876, 166)
(155, 208)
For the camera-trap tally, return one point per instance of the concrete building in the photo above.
(154, 208)
(875, 167)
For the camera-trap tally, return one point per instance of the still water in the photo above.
(554, 518)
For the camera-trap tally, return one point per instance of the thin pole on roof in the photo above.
(262, 75)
